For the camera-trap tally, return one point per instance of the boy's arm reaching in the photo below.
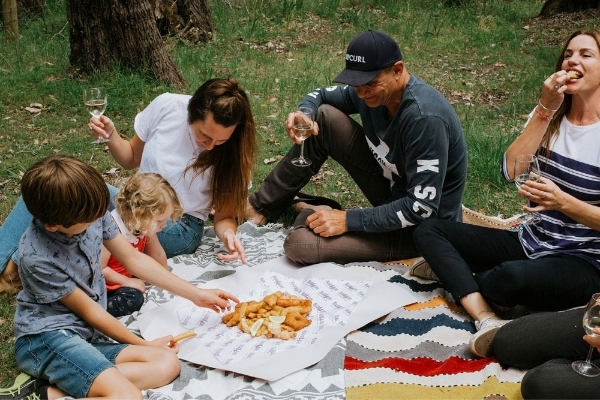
(146, 268)
(112, 277)
(98, 318)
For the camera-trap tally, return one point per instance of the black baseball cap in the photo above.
(367, 55)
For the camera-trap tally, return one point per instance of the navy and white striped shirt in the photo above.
(574, 166)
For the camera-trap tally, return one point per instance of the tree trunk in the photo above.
(556, 6)
(108, 32)
(33, 8)
(9, 17)
(188, 19)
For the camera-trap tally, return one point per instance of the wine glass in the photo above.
(591, 320)
(95, 102)
(527, 168)
(303, 126)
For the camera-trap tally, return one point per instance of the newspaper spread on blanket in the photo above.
(367, 300)
(332, 300)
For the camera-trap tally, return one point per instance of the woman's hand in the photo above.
(593, 340)
(289, 127)
(553, 91)
(545, 193)
(215, 299)
(234, 246)
(101, 127)
(549, 196)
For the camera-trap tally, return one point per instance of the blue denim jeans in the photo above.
(181, 237)
(17, 222)
(65, 359)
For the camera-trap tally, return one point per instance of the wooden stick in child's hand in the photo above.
(182, 336)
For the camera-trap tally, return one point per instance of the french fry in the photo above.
(182, 336)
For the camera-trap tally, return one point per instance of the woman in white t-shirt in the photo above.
(204, 146)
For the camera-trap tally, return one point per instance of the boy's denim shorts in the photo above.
(65, 359)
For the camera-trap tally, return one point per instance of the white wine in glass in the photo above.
(591, 320)
(95, 102)
(303, 126)
(527, 168)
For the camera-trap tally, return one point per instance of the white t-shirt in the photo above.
(169, 148)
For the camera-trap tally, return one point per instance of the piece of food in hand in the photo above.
(278, 315)
(573, 75)
(183, 336)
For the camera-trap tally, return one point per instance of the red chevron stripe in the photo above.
(422, 366)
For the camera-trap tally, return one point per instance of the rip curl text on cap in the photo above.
(367, 55)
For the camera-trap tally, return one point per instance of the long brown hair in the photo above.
(232, 161)
(553, 128)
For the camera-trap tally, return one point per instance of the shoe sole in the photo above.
(415, 270)
(21, 380)
(481, 345)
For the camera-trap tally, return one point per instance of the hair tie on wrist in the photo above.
(542, 115)
(546, 108)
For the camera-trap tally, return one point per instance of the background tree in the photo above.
(9, 17)
(108, 32)
(556, 6)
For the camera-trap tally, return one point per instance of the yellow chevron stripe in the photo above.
(435, 302)
(511, 391)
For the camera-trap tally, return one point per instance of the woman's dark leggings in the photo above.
(546, 344)
(469, 258)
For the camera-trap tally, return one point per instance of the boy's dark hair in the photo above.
(62, 190)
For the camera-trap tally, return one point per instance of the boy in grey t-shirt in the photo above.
(61, 309)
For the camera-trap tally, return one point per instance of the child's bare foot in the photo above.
(253, 216)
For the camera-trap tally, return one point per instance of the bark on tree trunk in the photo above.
(556, 6)
(33, 7)
(9, 17)
(188, 19)
(105, 32)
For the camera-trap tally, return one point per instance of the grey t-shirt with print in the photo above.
(51, 267)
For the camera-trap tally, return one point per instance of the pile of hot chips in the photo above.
(278, 315)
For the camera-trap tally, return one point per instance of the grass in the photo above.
(487, 57)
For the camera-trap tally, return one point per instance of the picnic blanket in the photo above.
(324, 380)
(421, 351)
(417, 351)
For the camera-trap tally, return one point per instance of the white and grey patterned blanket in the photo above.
(322, 381)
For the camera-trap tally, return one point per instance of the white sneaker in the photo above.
(481, 342)
(421, 269)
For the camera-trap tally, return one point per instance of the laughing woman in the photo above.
(553, 264)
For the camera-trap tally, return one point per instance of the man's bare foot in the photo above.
(253, 216)
(299, 206)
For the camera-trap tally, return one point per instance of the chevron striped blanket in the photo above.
(421, 351)
(418, 351)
